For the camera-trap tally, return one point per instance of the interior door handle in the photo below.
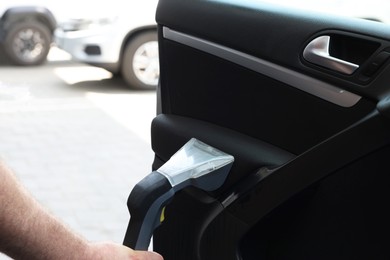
(317, 52)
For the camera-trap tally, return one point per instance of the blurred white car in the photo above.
(121, 38)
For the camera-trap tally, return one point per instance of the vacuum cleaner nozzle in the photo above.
(195, 164)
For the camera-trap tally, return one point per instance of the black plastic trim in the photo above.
(170, 132)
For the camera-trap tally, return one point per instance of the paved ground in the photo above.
(78, 144)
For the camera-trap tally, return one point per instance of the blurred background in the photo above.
(76, 135)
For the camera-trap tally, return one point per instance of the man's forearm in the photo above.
(29, 231)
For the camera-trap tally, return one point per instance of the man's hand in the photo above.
(102, 251)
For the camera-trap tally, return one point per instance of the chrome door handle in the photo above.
(317, 52)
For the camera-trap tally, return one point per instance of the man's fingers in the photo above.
(146, 255)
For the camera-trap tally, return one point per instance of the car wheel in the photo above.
(27, 43)
(140, 67)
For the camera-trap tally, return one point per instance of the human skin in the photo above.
(28, 231)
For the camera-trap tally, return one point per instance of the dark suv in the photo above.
(26, 34)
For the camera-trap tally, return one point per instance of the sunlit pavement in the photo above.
(77, 145)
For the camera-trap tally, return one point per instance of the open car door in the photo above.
(300, 99)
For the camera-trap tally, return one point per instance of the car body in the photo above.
(301, 100)
(110, 39)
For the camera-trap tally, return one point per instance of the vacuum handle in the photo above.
(146, 203)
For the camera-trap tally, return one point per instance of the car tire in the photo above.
(140, 65)
(27, 43)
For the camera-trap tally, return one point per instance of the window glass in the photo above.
(378, 10)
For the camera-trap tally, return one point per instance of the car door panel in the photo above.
(243, 110)
(233, 74)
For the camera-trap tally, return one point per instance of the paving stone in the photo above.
(75, 159)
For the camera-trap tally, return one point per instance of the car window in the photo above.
(377, 10)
